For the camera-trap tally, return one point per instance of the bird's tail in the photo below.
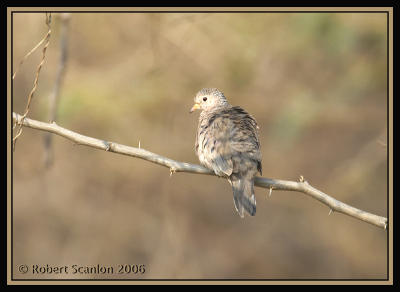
(243, 196)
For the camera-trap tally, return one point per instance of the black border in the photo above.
(211, 11)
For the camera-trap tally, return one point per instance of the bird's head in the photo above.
(209, 98)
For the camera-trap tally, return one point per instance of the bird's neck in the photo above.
(215, 109)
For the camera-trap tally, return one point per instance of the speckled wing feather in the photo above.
(244, 139)
(212, 143)
(227, 142)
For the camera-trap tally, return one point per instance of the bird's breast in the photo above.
(203, 143)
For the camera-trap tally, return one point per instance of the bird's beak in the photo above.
(195, 107)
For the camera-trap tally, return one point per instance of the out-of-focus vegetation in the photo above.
(315, 82)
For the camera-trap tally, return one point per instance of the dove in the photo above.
(227, 142)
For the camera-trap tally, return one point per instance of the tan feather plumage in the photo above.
(227, 142)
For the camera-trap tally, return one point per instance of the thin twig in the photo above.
(28, 54)
(35, 82)
(176, 166)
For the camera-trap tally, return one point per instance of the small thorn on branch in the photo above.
(330, 211)
(139, 144)
(270, 191)
(109, 146)
(171, 171)
(302, 180)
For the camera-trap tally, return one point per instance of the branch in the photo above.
(175, 166)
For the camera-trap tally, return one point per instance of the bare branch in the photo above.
(277, 185)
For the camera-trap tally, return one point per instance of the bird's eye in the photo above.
(204, 98)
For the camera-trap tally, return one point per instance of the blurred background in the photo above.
(316, 84)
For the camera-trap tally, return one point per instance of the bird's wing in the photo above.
(229, 134)
(216, 145)
(244, 136)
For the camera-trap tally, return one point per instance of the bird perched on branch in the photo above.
(227, 142)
